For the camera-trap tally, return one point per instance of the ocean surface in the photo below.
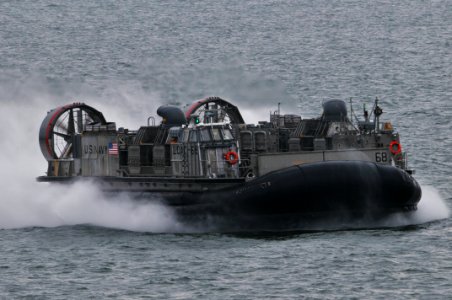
(126, 58)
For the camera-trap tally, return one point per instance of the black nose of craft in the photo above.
(401, 190)
(356, 186)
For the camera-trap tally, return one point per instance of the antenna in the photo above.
(377, 112)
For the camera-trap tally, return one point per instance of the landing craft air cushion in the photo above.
(207, 163)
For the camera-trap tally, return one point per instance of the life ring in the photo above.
(231, 157)
(395, 147)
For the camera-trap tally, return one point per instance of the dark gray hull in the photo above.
(292, 197)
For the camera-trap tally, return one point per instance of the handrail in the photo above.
(153, 121)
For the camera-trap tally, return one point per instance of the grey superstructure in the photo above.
(213, 128)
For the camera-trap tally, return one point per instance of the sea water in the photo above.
(126, 58)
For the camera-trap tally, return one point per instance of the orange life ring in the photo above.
(231, 157)
(395, 147)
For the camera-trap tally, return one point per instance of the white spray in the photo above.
(431, 207)
(25, 203)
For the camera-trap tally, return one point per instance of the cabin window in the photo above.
(193, 136)
(216, 134)
(227, 135)
(185, 136)
(181, 135)
(205, 135)
(173, 135)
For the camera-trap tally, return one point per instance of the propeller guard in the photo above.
(61, 125)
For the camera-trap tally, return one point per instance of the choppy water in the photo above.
(127, 57)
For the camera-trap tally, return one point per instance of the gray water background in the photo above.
(127, 57)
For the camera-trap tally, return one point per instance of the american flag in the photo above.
(113, 149)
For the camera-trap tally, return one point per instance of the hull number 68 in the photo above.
(381, 157)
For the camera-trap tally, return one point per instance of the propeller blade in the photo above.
(64, 136)
(61, 126)
(66, 151)
(79, 120)
(71, 123)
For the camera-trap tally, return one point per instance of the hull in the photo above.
(289, 198)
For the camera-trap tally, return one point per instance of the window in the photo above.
(193, 136)
(216, 134)
(205, 135)
(185, 136)
(227, 135)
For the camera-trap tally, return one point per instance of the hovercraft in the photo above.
(207, 163)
